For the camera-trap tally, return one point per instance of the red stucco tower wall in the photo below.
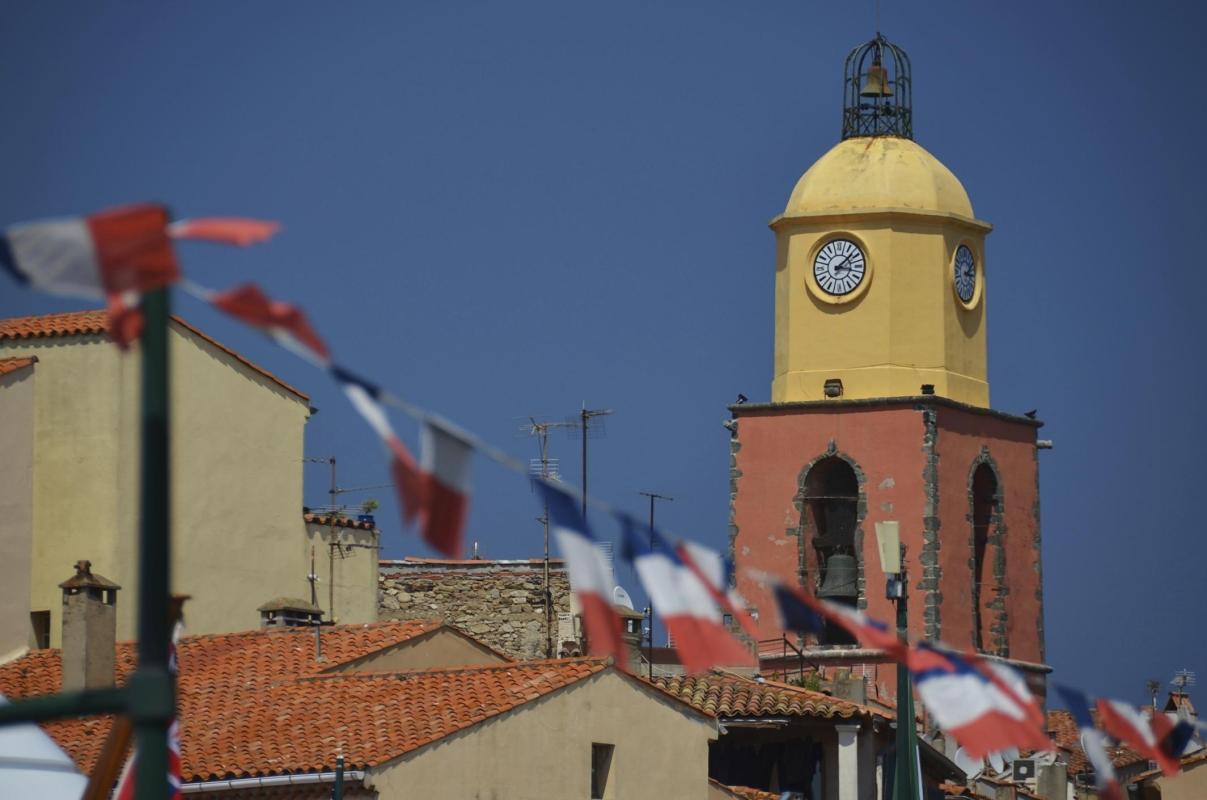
(914, 459)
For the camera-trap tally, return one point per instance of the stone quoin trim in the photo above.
(998, 641)
(803, 530)
(932, 572)
(1037, 544)
(734, 474)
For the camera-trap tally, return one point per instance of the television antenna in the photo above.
(1183, 679)
(334, 510)
(547, 469)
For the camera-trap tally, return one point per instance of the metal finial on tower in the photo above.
(876, 91)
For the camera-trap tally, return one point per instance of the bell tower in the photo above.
(879, 408)
(880, 276)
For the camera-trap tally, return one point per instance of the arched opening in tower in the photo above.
(984, 507)
(831, 508)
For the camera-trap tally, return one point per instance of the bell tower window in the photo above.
(831, 511)
(984, 509)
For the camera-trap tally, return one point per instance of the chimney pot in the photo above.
(89, 628)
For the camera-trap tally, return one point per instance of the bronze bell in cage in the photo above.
(842, 577)
(876, 83)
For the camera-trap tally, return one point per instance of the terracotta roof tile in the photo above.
(728, 695)
(743, 792)
(1067, 736)
(259, 703)
(95, 322)
(8, 365)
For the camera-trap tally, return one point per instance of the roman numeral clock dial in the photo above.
(839, 267)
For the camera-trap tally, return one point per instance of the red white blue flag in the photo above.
(447, 456)
(805, 613)
(1094, 742)
(408, 479)
(1152, 735)
(683, 599)
(717, 573)
(983, 707)
(590, 573)
(114, 255)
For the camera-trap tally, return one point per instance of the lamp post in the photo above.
(892, 561)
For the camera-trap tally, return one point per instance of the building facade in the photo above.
(69, 488)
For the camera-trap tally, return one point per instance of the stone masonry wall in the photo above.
(500, 603)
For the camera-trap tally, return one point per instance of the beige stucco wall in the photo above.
(236, 477)
(543, 750)
(1190, 784)
(440, 648)
(347, 574)
(16, 508)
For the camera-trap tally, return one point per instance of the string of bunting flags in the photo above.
(119, 254)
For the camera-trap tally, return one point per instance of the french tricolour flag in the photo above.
(114, 255)
(717, 572)
(408, 480)
(590, 572)
(1153, 735)
(446, 456)
(684, 600)
(110, 252)
(984, 711)
(1094, 742)
(804, 613)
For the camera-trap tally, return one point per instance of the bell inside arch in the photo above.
(876, 82)
(842, 577)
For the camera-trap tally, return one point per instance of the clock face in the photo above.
(965, 274)
(839, 267)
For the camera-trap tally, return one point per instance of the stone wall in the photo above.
(500, 603)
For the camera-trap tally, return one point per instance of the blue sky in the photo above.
(503, 210)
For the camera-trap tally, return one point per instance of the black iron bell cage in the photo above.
(876, 96)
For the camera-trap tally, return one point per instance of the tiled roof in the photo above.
(259, 703)
(96, 322)
(340, 521)
(728, 695)
(8, 365)
(1067, 736)
(222, 680)
(743, 792)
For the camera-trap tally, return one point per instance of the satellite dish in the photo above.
(1010, 754)
(621, 598)
(997, 763)
(971, 766)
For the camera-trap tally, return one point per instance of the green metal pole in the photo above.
(152, 689)
(905, 776)
(338, 792)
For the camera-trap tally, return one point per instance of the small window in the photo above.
(601, 768)
(40, 626)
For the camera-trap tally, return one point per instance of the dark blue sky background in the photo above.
(505, 209)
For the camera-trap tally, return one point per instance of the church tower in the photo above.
(879, 407)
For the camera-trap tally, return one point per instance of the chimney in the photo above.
(89, 629)
(289, 612)
(632, 634)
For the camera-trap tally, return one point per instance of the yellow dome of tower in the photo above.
(879, 173)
